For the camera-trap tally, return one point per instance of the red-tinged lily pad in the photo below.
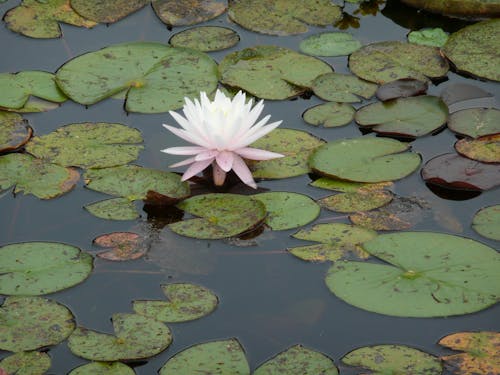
(475, 122)
(206, 38)
(459, 8)
(461, 96)
(108, 11)
(123, 246)
(401, 88)
(216, 357)
(486, 222)
(186, 302)
(453, 171)
(137, 337)
(480, 355)
(393, 359)
(40, 19)
(404, 117)
(29, 323)
(27, 363)
(356, 201)
(103, 368)
(329, 115)
(14, 131)
(485, 149)
(187, 12)
(114, 209)
(336, 87)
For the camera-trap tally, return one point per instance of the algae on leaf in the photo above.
(108, 11)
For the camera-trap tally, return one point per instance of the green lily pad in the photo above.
(221, 216)
(336, 241)
(33, 176)
(298, 360)
(34, 105)
(158, 77)
(407, 117)
(29, 323)
(486, 222)
(435, 37)
(475, 122)
(114, 209)
(14, 131)
(122, 246)
(286, 210)
(426, 275)
(296, 145)
(394, 359)
(206, 38)
(187, 12)
(26, 363)
(271, 72)
(137, 337)
(365, 159)
(329, 114)
(40, 19)
(16, 89)
(460, 8)
(348, 186)
(216, 357)
(387, 61)
(108, 11)
(401, 88)
(485, 149)
(35, 268)
(329, 44)
(480, 39)
(338, 87)
(88, 145)
(103, 368)
(283, 17)
(356, 201)
(186, 302)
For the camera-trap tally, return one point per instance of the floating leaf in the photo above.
(329, 114)
(34, 105)
(336, 240)
(460, 8)
(283, 17)
(427, 275)
(39, 19)
(348, 186)
(485, 148)
(271, 72)
(401, 88)
(206, 38)
(33, 176)
(435, 37)
(393, 359)
(298, 360)
(486, 222)
(103, 368)
(185, 302)
(464, 46)
(296, 145)
(407, 117)
(475, 122)
(329, 44)
(481, 353)
(216, 357)
(461, 96)
(114, 209)
(14, 131)
(137, 337)
(26, 363)
(88, 145)
(387, 61)
(364, 159)
(29, 323)
(356, 201)
(124, 246)
(338, 87)
(108, 11)
(157, 76)
(288, 210)
(181, 13)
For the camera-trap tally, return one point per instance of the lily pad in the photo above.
(216, 357)
(460, 8)
(426, 275)
(26, 363)
(182, 13)
(329, 44)
(384, 62)
(34, 105)
(88, 145)
(365, 159)
(286, 210)
(486, 222)
(336, 241)
(356, 201)
(406, 117)
(283, 17)
(393, 359)
(34, 176)
(461, 96)
(296, 145)
(271, 72)
(329, 114)
(186, 302)
(480, 39)
(114, 209)
(103, 368)
(435, 37)
(123, 246)
(338, 87)
(485, 149)
(40, 19)
(108, 11)
(348, 186)
(298, 360)
(137, 337)
(480, 353)
(475, 122)
(401, 88)
(157, 77)
(221, 216)
(29, 323)
(14, 131)
(206, 38)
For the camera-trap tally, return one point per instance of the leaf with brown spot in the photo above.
(485, 149)
(124, 246)
(108, 11)
(14, 131)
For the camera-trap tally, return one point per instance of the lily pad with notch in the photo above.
(329, 114)
(401, 88)
(329, 44)
(14, 131)
(27, 363)
(122, 246)
(206, 38)
(486, 222)
(114, 209)
(475, 122)
(103, 368)
(344, 88)
(108, 11)
(485, 149)
(182, 13)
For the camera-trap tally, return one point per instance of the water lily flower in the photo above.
(221, 131)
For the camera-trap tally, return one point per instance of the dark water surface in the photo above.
(269, 299)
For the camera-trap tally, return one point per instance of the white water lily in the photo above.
(221, 131)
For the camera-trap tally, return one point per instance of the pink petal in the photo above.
(219, 175)
(206, 154)
(257, 154)
(225, 160)
(195, 168)
(187, 150)
(181, 163)
(242, 171)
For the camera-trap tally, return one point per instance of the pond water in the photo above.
(269, 300)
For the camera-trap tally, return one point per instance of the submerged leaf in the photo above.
(329, 44)
(14, 131)
(123, 246)
(401, 88)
